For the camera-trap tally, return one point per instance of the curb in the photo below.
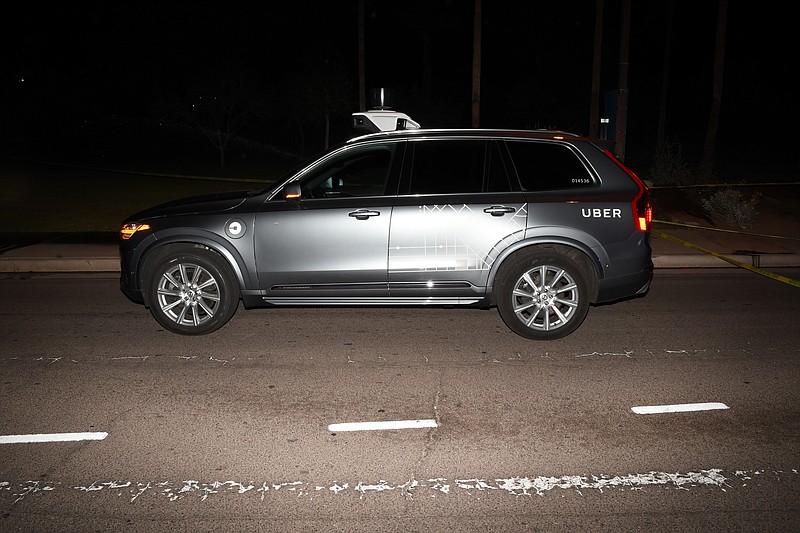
(710, 261)
(59, 264)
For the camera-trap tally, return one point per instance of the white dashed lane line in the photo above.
(378, 426)
(51, 437)
(678, 408)
(354, 426)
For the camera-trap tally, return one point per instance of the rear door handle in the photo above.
(499, 210)
(363, 214)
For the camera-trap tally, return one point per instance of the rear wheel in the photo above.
(544, 293)
(191, 291)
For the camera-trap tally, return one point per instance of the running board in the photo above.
(355, 301)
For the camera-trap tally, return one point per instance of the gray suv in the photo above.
(540, 224)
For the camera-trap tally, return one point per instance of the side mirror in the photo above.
(292, 192)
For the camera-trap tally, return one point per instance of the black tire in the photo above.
(191, 291)
(543, 310)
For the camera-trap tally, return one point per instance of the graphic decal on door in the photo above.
(452, 237)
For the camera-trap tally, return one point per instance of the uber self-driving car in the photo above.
(539, 224)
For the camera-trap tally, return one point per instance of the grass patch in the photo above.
(51, 198)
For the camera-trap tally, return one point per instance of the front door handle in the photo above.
(363, 214)
(499, 210)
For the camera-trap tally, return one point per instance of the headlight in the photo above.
(128, 230)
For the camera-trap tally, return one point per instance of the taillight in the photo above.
(643, 211)
(641, 205)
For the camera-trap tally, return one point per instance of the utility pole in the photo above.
(594, 111)
(622, 98)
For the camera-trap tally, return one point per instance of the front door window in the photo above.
(333, 240)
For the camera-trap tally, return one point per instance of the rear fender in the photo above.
(593, 261)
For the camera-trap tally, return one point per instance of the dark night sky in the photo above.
(92, 60)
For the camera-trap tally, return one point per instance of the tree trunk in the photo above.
(362, 84)
(476, 66)
(716, 96)
(662, 108)
(327, 128)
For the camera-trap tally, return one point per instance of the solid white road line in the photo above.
(392, 424)
(678, 408)
(51, 437)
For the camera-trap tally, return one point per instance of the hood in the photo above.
(208, 203)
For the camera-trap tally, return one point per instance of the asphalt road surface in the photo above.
(233, 431)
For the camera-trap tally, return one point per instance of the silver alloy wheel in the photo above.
(188, 294)
(545, 298)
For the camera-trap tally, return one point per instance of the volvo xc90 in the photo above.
(540, 224)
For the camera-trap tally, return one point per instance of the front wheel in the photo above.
(543, 295)
(192, 292)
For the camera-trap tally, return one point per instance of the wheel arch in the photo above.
(162, 245)
(565, 246)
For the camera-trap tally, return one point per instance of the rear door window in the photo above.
(448, 167)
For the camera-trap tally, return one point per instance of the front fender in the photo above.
(160, 239)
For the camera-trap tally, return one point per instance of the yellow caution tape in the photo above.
(186, 177)
(731, 185)
(179, 176)
(721, 230)
(777, 277)
(151, 174)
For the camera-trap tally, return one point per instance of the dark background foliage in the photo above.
(116, 79)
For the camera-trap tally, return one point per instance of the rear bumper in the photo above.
(620, 287)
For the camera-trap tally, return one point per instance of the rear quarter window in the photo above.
(544, 166)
